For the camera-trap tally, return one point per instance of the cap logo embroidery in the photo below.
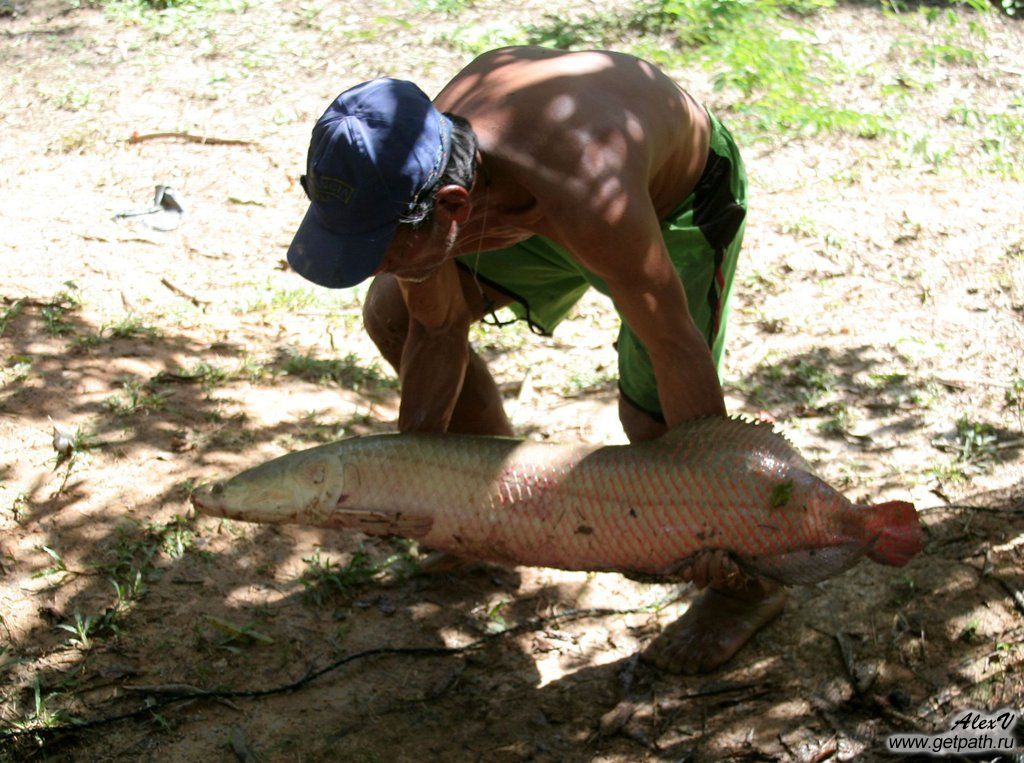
(327, 188)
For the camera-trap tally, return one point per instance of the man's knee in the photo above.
(637, 424)
(386, 318)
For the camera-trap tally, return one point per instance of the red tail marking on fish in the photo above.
(897, 532)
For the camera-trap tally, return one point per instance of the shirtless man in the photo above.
(534, 175)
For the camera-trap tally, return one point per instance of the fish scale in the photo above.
(645, 508)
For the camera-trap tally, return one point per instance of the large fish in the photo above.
(642, 509)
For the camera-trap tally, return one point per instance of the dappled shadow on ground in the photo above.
(874, 651)
(149, 598)
(102, 544)
(858, 383)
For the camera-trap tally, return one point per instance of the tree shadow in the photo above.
(217, 605)
(859, 383)
(851, 661)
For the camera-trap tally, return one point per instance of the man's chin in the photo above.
(418, 276)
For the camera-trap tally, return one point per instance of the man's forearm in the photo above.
(688, 385)
(432, 371)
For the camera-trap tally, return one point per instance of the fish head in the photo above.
(808, 526)
(297, 487)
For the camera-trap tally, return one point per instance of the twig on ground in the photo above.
(830, 749)
(1015, 594)
(184, 294)
(1015, 509)
(190, 138)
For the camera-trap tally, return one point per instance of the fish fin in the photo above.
(896, 530)
(385, 523)
(803, 566)
(744, 434)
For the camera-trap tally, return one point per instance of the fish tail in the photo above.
(896, 531)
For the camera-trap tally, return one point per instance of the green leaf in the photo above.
(781, 494)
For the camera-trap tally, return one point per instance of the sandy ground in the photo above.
(877, 319)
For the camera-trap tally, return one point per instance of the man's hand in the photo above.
(714, 567)
(436, 350)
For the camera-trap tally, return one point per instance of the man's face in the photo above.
(415, 253)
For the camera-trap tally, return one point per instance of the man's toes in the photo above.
(666, 654)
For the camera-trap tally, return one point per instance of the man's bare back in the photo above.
(578, 128)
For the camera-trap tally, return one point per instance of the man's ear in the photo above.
(451, 204)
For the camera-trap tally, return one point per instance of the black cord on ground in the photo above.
(427, 651)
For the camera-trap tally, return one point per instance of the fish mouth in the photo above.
(204, 498)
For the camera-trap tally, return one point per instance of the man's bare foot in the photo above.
(716, 625)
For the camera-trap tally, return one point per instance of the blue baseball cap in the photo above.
(376, 149)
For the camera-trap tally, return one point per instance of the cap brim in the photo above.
(333, 260)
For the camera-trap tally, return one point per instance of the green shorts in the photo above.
(703, 237)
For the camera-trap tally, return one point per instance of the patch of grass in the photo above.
(768, 281)
(348, 372)
(77, 140)
(9, 313)
(896, 388)
(756, 48)
(839, 422)
(130, 559)
(816, 380)
(201, 372)
(74, 98)
(175, 537)
(770, 324)
(90, 625)
(325, 578)
(442, 6)
(167, 17)
(41, 716)
(56, 312)
(234, 636)
(975, 442)
(934, 53)
(783, 85)
(252, 369)
(975, 450)
(802, 226)
(581, 382)
(506, 338)
(17, 371)
(490, 617)
(210, 375)
(135, 397)
(948, 473)
(286, 300)
(1014, 397)
(887, 381)
(58, 567)
(129, 327)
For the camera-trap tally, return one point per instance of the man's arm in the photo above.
(631, 257)
(436, 351)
